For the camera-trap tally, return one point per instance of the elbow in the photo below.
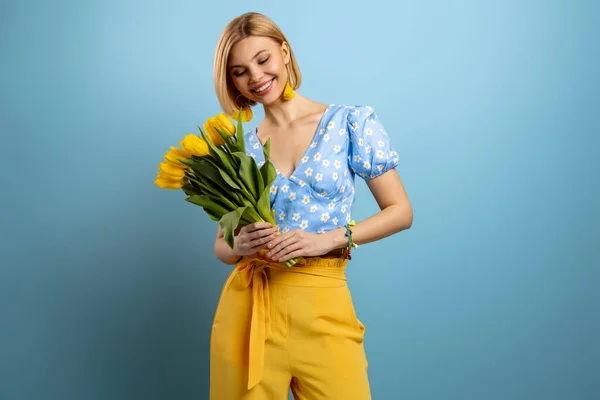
(405, 218)
(409, 220)
(220, 249)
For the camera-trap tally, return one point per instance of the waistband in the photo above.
(256, 272)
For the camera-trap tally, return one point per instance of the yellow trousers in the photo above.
(276, 328)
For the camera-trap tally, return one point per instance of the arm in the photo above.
(223, 251)
(396, 213)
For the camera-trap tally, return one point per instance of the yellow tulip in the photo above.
(172, 170)
(175, 153)
(167, 184)
(225, 124)
(195, 145)
(167, 181)
(211, 132)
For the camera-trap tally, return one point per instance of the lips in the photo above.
(268, 85)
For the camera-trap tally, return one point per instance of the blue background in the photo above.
(108, 284)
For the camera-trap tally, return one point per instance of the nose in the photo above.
(255, 75)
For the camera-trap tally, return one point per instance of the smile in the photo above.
(263, 89)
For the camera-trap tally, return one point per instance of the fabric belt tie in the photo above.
(251, 270)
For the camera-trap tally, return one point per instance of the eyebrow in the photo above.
(256, 55)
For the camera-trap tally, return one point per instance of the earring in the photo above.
(246, 111)
(288, 92)
(246, 114)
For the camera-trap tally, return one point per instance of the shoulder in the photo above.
(357, 116)
(359, 112)
(350, 112)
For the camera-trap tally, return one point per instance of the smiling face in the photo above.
(257, 67)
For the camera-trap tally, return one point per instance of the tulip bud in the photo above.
(167, 181)
(225, 124)
(211, 132)
(171, 170)
(195, 145)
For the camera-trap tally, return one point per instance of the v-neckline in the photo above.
(319, 127)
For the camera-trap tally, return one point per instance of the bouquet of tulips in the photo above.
(216, 174)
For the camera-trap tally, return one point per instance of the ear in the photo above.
(285, 50)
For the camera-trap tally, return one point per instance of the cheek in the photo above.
(239, 83)
(276, 67)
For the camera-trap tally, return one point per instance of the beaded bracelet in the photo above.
(346, 250)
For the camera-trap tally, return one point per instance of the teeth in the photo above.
(263, 87)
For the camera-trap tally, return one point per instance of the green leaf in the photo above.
(252, 211)
(263, 206)
(222, 200)
(212, 216)
(186, 161)
(249, 174)
(239, 133)
(231, 145)
(229, 223)
(230, 181)
(267, 149)
(225, 199)
(222, 157)
(211, 208)
(221, 181)
(190, 190)
(268, 173)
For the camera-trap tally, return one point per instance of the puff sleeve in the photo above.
(370, 152)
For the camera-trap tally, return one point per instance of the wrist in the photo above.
(337, 238)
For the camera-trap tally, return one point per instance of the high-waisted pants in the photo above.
(276, 329)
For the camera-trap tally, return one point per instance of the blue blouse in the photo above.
(318, 195)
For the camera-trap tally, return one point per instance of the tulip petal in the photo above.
(225, 124)
(174, 155)
(171, 170)
(195, 145)
(167, 183)
(213, 135)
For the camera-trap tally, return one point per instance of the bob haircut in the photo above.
(248, 24)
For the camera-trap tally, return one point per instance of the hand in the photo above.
(296, 243)
(253, 238)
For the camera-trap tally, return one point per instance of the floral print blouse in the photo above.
(318, 195)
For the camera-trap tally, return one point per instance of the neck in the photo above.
(283, 113)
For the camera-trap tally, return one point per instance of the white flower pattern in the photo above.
(322, 199)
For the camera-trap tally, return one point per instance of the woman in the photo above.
(277, 328)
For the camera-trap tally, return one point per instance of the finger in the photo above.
(280, 243)
(262, 241)
(279, 238)
(261, 233)
(287, 252)
(258, 226)
(289, 256)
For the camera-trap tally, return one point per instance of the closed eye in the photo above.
(243, 72)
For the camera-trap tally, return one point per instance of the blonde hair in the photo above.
(248, 24)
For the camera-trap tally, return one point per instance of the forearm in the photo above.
(386, 222)
(224, 252)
